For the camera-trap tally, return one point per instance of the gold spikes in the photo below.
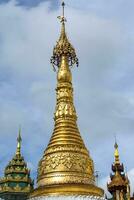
(116, 154)
(19, 140)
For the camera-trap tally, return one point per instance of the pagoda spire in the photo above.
(16, 183)
(19, 140)
(118, 186)
(66, 167)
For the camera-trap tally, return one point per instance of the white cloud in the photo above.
(103, 184)
(131, 178)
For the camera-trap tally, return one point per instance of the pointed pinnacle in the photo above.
(116, 145)
(63, 6)
(116, 153)
(19, 140)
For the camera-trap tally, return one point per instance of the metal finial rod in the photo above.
(62, 17)
(63, 6)
(115, 144)
(115, 137)
(19, 139)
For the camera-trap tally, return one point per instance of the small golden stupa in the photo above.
(119, 186)
(66, 168)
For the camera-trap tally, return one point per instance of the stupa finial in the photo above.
(116, 153)
(19, 140)
(63, 46)
(62, 17)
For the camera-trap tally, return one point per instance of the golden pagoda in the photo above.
(16, 183)
(119, 185)
(66, 168)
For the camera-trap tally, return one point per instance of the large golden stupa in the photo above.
(66, 169)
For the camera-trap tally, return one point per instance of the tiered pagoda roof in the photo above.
(16, 178)
(119, 180)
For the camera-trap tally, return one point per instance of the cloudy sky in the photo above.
(103, 33)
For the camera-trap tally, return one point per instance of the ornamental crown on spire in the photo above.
(63, 46)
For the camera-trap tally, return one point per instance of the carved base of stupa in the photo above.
(67, 191)
(75, 197)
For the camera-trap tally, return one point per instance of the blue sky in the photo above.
(102, 33)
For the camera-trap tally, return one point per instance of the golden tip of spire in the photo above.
(19, 140)
(116, 153)
(63, 46)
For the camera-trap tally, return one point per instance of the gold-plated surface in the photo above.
(66, 159)
(19, 140)
(116, 154)
(117, 181)
(68, 190)
(66, 166)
